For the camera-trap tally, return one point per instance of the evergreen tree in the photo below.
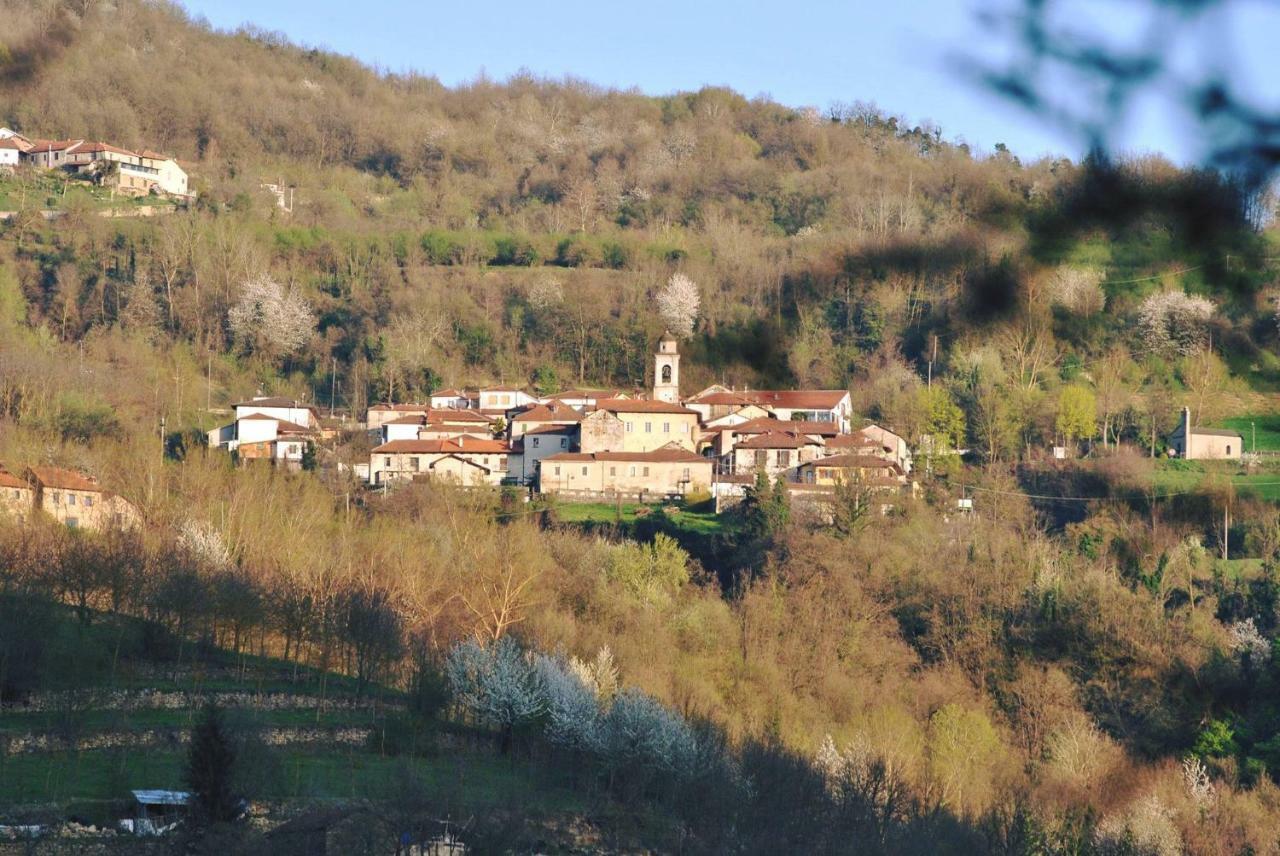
(211, 763)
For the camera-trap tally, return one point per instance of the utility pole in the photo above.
(933, 355)
(333, 385)
(1253, 429)
(1226, 524)
(162, 424)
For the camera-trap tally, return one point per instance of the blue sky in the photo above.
(898, 53)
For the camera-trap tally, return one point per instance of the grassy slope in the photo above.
(693, 522)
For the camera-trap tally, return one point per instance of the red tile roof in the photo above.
(856, 462)
(777, 440)
(764, 425)
(449, 414)
(44, 146)
(467, 445)
(401, 408)
(8, 479)
(57, 477)
(554, 412)
(282, 425)
(273, 401)
(736, 398)
(411, 419)
(640, 405)
(551, 429)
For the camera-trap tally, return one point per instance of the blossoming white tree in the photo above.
(678, 303)
(268, 320)
(1174, 322)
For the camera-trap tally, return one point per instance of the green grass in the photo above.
(1265, 427)
(1188, 476)
(598, 513)
(89, 721)
(468, 779)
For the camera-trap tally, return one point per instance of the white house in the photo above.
(500, 400)
(279, 408)
(536, 444)
(453, 399)
(10, 153)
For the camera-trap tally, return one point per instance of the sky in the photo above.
(906, 56)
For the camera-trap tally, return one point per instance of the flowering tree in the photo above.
(1174, 322)
(1077, 290)
(270, 321)
(498, 683)
(678, 304)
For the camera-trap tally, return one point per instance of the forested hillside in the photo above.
(1069, 669)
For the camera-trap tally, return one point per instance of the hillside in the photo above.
(1085, 662)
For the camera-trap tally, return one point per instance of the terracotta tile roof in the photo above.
(764, 425)
(150, 155)
(93, 148)
(283, 426)
(8, 479)
(501, 389)
(554, 412)
(657, 456)
(450, 414)
(466, 445)
(451, 393)
(855, 462)
(411, 419)
(45, 146)
(777, 440)
(57, 477)
(640, 405)
(551, 429)
(11, 143)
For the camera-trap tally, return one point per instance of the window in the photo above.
(666, 374)
(535, 442)
(72, 523)
(557, 469)
(630, 427)
(762, 458)
(564, 442)
(648, 427)
(584, 470)
(386, 462)
(684, 429)
(646, 472)
(632, 471)
(686, 473)
(784, 459)
(666, 427)
(88, 501)
(57, 497)
(414, 464)
(613, 471)
(71, 497)
(1228, 448)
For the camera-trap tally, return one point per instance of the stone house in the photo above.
(17, 498)
(78, 500)
(650, 425)
(466, 460)
(668, 471)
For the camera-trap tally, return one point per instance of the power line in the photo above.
(1149, 278)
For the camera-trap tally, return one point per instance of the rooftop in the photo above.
(57, 477)
(466, 444)
(657, 456)
(641, 405)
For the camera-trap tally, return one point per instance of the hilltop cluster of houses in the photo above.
(612, 443)
(126, 172)
(70, 497)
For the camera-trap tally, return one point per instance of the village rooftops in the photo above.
(63, 479)
(466, 444)
(641, 405)
(11, 143)
(765, 425)
(449, 414)
(554, 412)
(777, 440)
(665, 455)
(92, 148)
(857, 462)
(551, 429)
(45, 146)
(8, 479)
(855, 441)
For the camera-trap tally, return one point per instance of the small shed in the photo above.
(155, 811)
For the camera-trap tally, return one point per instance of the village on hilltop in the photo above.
(126, 172)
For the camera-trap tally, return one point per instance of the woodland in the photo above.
(1085, 664)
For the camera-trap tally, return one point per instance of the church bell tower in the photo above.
(666, 370)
